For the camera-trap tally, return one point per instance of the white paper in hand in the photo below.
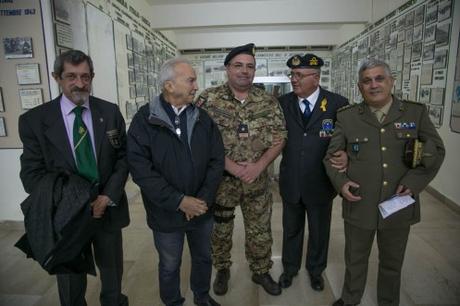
(395, 204)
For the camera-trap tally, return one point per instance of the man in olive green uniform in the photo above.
(253, 130)
(376, 135)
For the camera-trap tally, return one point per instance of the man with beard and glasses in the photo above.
(79, 134)
(253, 131)
(176, 156)
(394, 151)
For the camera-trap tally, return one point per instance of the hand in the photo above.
(277, 139)
(99, 205)
(403, 191)
(339, 160)
(235, 169)
(347, 194)
(192, 207)
(251, 172)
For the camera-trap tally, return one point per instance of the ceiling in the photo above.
(200, 24)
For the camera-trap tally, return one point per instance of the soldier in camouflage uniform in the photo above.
(253, 130)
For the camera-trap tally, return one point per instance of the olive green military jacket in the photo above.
(375, 160)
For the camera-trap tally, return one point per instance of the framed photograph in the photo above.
(437, 96)
(435, 113)
(2, 104)
(129, 42)
(428, 52)
(430, 32)
(2, 127)
(425, 94)
(444, 10)
(442, 34)
(419, 14)
(61, 11)
(30, 97)
(431, 13)
(440, 59)
(131, 77)
(132, 92)
(28, 74)
(407, 54)
(130, 60)
(418, 33)
(17, 47)
(426, 76)
(409, 35)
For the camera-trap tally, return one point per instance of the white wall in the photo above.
(12, 193)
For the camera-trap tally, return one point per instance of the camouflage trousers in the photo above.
(256, 203)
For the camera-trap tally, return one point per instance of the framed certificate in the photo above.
(30, 97)
(28, 74)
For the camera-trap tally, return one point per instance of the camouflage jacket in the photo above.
(260, 114)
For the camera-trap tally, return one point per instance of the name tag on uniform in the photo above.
(243, 131)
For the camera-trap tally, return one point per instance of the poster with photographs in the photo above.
(444, 10)
(440, 58)
(418, 33)
(416, 50)
(442, 34)
(425, 94)
(419, 14)
(430, 32)
(17, 47)
(435, 113)
(30, 97)
(2, 104)
(129, 42)
(431, 12)
(437, 96)
(2, 127)
(428, 52)
(455, 112)
(28, 74)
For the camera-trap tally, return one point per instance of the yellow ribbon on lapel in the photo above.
(323, 104)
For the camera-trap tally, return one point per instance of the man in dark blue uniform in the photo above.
(310, 113)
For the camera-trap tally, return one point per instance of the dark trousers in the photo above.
(319, 221)
(358, 244)
(108, 253)
(169, 247)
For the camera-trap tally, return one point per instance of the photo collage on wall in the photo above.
(414, 41)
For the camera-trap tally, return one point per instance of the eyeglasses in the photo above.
(72, 77)
(241, 66)
(299, 76)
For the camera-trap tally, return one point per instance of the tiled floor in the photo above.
(431, 273)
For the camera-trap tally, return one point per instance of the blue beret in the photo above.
(307, 61)
(246, 49)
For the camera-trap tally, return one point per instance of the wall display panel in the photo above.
(455, 110)
(415, 42)
(28, 74)
(2, 127)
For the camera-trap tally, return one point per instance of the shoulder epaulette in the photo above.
(349, 106)
(200, 101)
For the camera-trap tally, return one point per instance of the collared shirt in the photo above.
(384, 109)
(68, 115)
(311, 98)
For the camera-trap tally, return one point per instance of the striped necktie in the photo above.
(84, 154)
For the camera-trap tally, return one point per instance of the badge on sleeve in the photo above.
(114, 139)
(327, 128)
(243, 130)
